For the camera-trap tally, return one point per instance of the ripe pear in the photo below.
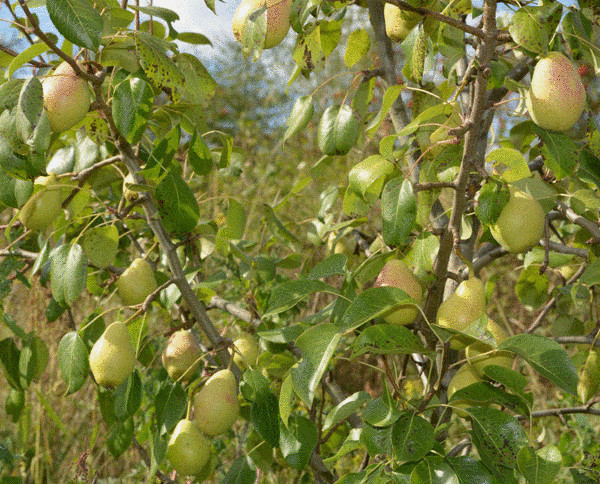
(182, 355)
(136, 283)
(66, 97)
(520, 225)
(44, 205)
(247, 351)
(188, 449)
(396, 273)
(463, 307)
(112, 357)
(216, 405)
(464, 377)
(399, 23)
(556, 96)
(278, 19)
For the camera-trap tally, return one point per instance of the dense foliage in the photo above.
(399, 285)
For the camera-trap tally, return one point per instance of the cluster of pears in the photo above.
(67, 97)
(396, 273)
(216, 405)
(556, 96)
(278, 19)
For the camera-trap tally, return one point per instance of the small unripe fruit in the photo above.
(182, 355)
(216, 405)
(464, 377)
(520, 225)
(136, 283)
(188, 449)
(66, 97)
(556, 97)
(399, 23)
(278, 19)
(396, 273)
(112, 357)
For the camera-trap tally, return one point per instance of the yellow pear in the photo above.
(182, 355)
(112, 357)
(66, 97)
(247, 351)
(396, 273)
(278, 19)
(463, 307)
(399, 23)
(136, 282)
(520, 225)
(464, 377)
(44, 205)
(479, 355)
(216, 405)
(556, 96)
(188, 449)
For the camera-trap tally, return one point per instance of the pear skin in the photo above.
(44, 206)
(112, 357)
(247, 351)
(396, 273)
(136, 283)
(182, 355)
(216, 405)
(67, 97)
(278, 19)
(188, 449)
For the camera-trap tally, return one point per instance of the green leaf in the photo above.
(483, 393)
(170, 404)
(25, 56)
(199, 85)
(377, 440)
(264, 413)
(545, 355)
(368, 172)
(345, 408)
(398, 211)
(73, 361)
(302, 113)
(15, 404)
(591, 274)
(532, 287)
(389, 98)
(290, 293)
(77, 21)
(177, 206)
(382, 411)
(9, 361)
(470, 471)
(490, 201)
(527, 30)
(128, 396)
(160, 12)
(412, 437)
(68, 273)
(509, 163)
(338, 130)
(193, 38)
(241, 472)
(297, 441)
(286, 396)
(120, 437)
(334, 265)
(131, 104)
(33, 360)
(235, 224)
(560, 152)
(357, 47)
(101, 245)
(372, 303)
(387, 339)
(541, 466)
(434, 470)
(497, 436)
(199, 155)
(317, 344)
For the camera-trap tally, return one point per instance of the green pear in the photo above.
(520, 225)
(136, 283)
(463, 307)
(247, 351)
(216, 405)
(278, 19)
(396, 273)
(399, 23)
(66, 97)
(182, 355)
(188, 449)
(112, 357)
(44, 205)
(464, 377)
(556, 96)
